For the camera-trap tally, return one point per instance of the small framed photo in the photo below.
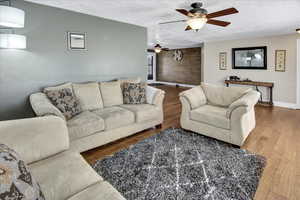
(76, 41)
(280, 60)
(223, 61)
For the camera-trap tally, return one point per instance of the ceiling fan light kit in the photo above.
(198, 17)
(197, 23)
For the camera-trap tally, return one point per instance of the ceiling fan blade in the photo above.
(182, 11)
(188, 28)
(221, 13)
(150, 50)
(218, 22)
(165, 49)
(172, 22)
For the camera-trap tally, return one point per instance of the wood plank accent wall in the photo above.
(186, 71)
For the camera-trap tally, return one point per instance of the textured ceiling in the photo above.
(256, 18)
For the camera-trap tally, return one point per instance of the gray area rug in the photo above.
(177, 164)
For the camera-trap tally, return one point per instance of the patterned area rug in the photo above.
(177, 164)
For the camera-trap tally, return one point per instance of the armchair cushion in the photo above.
(212, 115)
(195, 96)
(89, 95)
(221, 95)
(248, 100)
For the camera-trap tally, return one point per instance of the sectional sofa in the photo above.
(43, 143)
(104, 117)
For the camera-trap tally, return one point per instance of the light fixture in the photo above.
(12, 41)
(197, 23)
(298, 30)
(157, 48)
(11, 17)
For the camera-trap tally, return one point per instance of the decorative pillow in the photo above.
(65, 101)
(16, 182)
(111, 93)
(134, 93)
(88, 95)
(59, 87)
(129, 80)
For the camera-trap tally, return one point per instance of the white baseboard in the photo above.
(285, 105)
(179, 84)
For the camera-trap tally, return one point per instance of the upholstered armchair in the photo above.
(223, 113)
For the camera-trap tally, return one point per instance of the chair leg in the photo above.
(158, 126)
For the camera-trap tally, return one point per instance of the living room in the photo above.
(149, 99)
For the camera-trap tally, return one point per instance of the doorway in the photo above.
(298, 73)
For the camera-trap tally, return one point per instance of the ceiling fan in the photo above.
(198, 17)
(158, 49)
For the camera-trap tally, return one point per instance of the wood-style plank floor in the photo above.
(276, 136)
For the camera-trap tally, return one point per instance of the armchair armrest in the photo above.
(155, 96)
(42, 106)
(194, 96)
(35, 138)
(247, 101)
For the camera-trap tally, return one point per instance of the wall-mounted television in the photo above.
(249, 58)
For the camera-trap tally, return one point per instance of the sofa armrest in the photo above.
(155, 96)
(195, 97)
(42, 106)
(35, 138)
(247, 101)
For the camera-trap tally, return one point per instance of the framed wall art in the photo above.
(76, 41)
(249, 58)
(280, 60)
(223, 61)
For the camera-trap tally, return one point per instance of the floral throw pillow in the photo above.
(65, 101)
(16, 181)
(134, 93)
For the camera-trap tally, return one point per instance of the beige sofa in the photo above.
(43, 143)
(224, 113)
(100, 123)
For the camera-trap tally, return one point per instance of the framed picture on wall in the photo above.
(223, 61)
(280, 60)
(249, 58)
(76, 41)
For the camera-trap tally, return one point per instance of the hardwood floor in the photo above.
(276, 136)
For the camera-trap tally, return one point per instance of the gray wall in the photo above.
(114, 50)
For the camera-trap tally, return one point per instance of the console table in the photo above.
(257, 84)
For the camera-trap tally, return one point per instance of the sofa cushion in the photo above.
(212, 115)
(85, 124)
(115, 117)
(59, 87)
(143, 112)
(99, 191)
(129, 80)
(221, 95)
(111, 93)
(16, 181)
(64, 175)
(89, 95)
(65, 101)
(134, 93)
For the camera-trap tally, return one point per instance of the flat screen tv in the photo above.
(249, 58)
